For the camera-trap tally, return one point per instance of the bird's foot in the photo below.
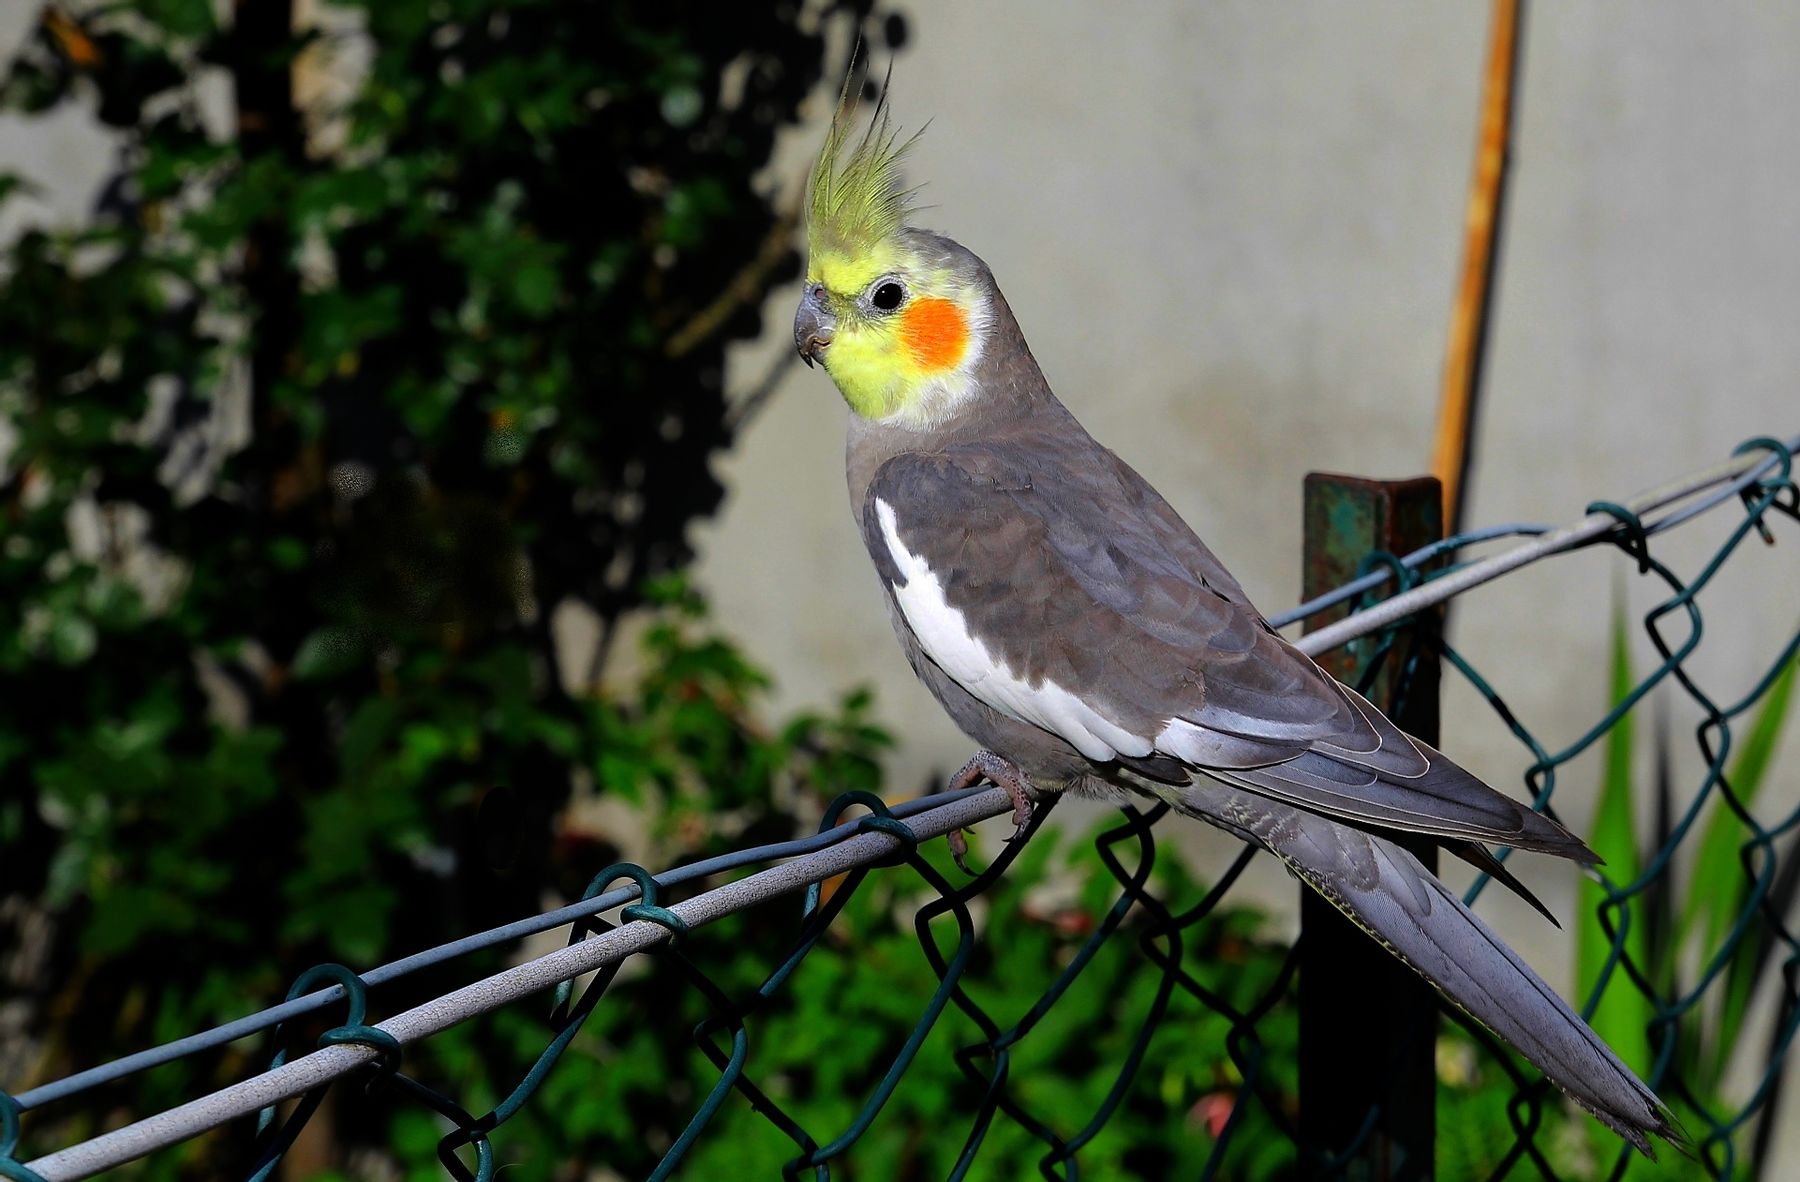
(959, 850)
(1003, 774)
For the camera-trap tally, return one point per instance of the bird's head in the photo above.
(898, 316)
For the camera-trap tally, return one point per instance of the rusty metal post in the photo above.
(1368, 1024)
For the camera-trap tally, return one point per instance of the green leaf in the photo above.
(1622, 1015)
(72, 637)
(536, 288)
(1719, 891)
(1717, 887)
(326, 652)
(182, 18)
(287, 553)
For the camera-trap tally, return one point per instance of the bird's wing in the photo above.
(1389, 894)
(1055, 586)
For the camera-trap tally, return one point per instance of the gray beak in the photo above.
(814, 325)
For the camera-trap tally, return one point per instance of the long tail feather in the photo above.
(1389, 894)
(1482, 858)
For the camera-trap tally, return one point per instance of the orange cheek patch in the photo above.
(935, 333)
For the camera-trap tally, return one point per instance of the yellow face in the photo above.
(902, 335)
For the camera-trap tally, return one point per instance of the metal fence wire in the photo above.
(1166, 928)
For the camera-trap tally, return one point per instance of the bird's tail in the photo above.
(1388, 893)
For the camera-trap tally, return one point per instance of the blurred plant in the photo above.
(834, 1029)
(634, 1077)
(317, 427)
(1620, 1014)
(1724, 873)
(1630, 965)
(310, 437)
(1634, 945)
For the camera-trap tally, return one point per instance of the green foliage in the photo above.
(1475, 1095)
(318, 430)
(1717, 930)
(1711, 913)
(1720, 888)
(1620, 1014)
(312, 434)
(631, 1081)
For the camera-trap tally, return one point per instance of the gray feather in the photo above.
(1070, 569)
(1390, 895)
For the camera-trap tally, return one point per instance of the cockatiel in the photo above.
(1073, 625)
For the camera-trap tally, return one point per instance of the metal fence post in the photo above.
(1368, 1024)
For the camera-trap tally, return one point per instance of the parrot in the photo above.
(1078, 631)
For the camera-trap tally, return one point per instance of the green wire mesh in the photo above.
(1166, 930)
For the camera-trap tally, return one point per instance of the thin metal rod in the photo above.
(1411, 561)
(1388, 611)
(272, 1016)
(1472, 315)
(328, 1063)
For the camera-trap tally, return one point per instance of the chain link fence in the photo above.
(1695, 941)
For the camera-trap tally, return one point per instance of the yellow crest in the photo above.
(855, 199)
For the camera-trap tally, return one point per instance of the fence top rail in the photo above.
(1736, 474)
(813, 859)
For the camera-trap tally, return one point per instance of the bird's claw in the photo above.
(958, 840)
(985, 765)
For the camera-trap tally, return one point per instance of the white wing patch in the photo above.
(1202, 747)
(944, 634)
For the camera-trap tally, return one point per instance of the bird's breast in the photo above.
(979, 663)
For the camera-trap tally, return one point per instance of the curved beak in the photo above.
(814, 325)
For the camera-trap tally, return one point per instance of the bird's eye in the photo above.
(887, 296)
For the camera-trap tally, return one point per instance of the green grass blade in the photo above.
(1719, 890)
(1716, 889)
(1623, 1015)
